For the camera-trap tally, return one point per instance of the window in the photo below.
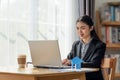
(23, 20)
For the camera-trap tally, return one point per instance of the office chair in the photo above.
(108, 67)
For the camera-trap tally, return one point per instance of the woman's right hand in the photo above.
(66, 62)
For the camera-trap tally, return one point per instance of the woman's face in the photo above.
(83, 30)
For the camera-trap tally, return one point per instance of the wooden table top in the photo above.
(41, 71)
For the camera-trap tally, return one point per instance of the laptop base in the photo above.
(54, 67)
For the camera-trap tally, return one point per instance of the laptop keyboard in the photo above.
(54, 67)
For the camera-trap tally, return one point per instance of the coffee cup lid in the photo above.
(22, 55)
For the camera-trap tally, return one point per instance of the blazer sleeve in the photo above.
(72, 53)
(95, 61)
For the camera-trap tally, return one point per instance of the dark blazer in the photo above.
(92, 59)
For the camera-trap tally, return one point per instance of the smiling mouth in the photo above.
(81, 34)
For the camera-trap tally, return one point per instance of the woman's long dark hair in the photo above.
(87, 20)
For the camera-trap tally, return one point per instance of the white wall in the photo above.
(99, 3)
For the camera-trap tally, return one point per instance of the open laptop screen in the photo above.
(45, 52)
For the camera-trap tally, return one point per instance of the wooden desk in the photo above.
(41, 74)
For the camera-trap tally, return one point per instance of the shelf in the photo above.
(99, 24)
(117, 75)
(110, 45)
(111, 23)
(114, 3)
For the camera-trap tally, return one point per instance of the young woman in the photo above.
(89, 48)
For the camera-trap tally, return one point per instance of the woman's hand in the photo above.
(66, 62)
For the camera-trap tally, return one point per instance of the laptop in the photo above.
(46, 54)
